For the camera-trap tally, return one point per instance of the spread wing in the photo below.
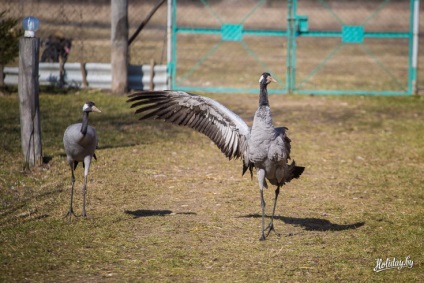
(205, 115)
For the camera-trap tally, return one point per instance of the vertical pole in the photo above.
(174, 43)
(291, 46)
(1, 78)
(152, 75)
(415, 13)
(29, 106)
(119, 38)
(83, 75)
(169, 42)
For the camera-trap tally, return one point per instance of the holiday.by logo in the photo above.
(392, 263)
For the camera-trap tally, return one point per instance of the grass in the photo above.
(166, 206)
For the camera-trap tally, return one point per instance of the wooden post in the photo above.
(152, 74)
(29, 106)
(84, 76)
(1, 77)
(119, 38)
(61, 72)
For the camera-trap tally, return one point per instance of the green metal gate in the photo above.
(359, 47)
(311, 47)
(224, 46)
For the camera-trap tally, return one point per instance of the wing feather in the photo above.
(205, 115)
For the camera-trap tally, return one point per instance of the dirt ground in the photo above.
(165, 204)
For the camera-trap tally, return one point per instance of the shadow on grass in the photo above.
(147, 213)
(21, 208)
(313, 224)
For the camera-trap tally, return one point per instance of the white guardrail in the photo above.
(98, 75)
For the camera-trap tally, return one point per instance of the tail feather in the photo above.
(250, 167)
(294, 171)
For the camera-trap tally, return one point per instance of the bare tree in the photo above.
(119, 46)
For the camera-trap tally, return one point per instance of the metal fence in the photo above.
(224, 46)
(361, 47)
(95, 75)
(312, 47)
(87, 22)
(216, 39)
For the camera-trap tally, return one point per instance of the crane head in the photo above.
(266, 79)
(89, 106)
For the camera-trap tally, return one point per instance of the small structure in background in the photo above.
(56, 50)
(28, 89)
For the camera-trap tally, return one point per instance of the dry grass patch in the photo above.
(165, 205)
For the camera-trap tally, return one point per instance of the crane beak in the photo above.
(95, 109)
(271, 79)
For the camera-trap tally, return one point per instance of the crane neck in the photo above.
(84, 125)
(263, 95)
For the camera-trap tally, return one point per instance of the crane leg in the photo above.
(271, 224)
(261, 180)
(71, 210)
(87, 162)
(84, 192)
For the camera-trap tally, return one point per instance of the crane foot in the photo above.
(271, 228)
(86, 216)
(70, 213)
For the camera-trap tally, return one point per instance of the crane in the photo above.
(263, 147)
(80, 142)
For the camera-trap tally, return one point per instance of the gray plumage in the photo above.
(80, 142)
(264, 147)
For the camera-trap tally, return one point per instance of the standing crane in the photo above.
(80, 142)
(264, 147)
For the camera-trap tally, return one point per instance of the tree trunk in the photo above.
(29, 105)
(119, 46)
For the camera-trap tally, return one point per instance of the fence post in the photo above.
(152, 74)
(29, 105)
(291, 46)
(415, 25)
(119, 38)
(83, 75)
